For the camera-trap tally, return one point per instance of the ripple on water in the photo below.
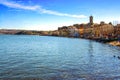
(54, 58)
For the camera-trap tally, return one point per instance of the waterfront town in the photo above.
(91, 30)
(102, 32)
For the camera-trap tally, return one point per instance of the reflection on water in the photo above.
(54, 58)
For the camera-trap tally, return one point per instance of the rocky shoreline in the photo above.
(114, 43)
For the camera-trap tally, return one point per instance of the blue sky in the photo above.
(51, 14)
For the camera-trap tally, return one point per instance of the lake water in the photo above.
(24, 57)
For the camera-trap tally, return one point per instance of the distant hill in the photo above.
(9, 31)
(24, 32)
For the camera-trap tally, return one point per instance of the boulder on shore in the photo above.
(114, 43)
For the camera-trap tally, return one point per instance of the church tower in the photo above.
(91, 20)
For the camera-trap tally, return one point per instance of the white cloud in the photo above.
(18, 6)
(37, 8)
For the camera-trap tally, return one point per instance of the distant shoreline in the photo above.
(43, 33)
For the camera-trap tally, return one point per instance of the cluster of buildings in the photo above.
(91, 30)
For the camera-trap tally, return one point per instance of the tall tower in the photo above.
(91, 20)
